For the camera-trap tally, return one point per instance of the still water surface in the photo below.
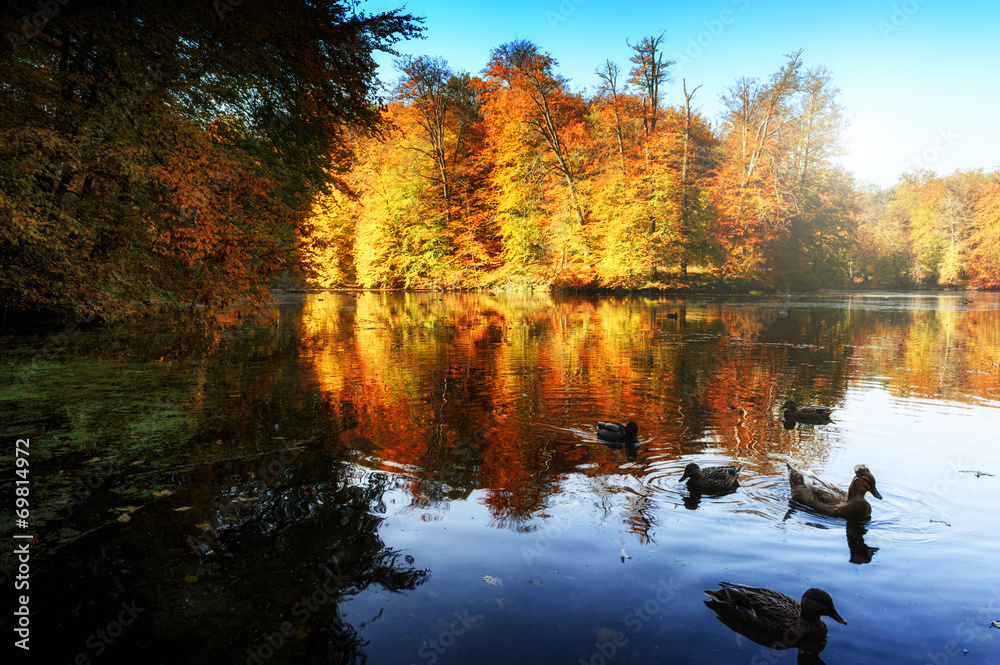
(415, 478)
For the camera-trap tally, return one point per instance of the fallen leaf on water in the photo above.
(136, 462)
(92, 459)
(190, 579)
(128, 508)
(489, 579)
(177, 510)
(203, 525)
(249, 498)
(124, 517)
(162, 493)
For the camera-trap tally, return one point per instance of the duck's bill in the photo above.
(836, 617)
(875, 493)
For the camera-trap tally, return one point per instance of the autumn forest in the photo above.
(187, 155)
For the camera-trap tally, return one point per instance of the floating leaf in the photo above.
(204, 525)
(162, 493)
(605, 634)
(248, 498)
(124, 517)
(182, 508)
(128, 508)
(191, 579)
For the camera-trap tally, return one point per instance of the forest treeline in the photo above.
(511, 178)
(194, 153)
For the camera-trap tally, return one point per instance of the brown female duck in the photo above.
(717, 479)
(830, 499)
(772, 618)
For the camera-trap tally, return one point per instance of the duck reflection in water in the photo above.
(861, 552)
(774, 620)
(630, 447)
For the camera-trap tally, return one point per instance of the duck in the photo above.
(806, 414)
(830, 499)
(672, 315)
(711, 478)
(617, 432)
(770, 617)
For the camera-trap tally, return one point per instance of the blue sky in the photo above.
(919, 80)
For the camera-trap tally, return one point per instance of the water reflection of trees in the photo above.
(499, 380)
(262, 551)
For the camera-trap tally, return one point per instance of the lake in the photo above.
(415, 478)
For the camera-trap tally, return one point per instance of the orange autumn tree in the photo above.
(689, 150)
(881, 256)
(956, 222)
(619, 235)
(215, 228)
(442, 122)
(652, 168)
(414, 200)
(655, 172)
(780, 139)
(984, 235)
(944, 223)
(922, 193)
(402, 238)
(533, 128)
(751, 189)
